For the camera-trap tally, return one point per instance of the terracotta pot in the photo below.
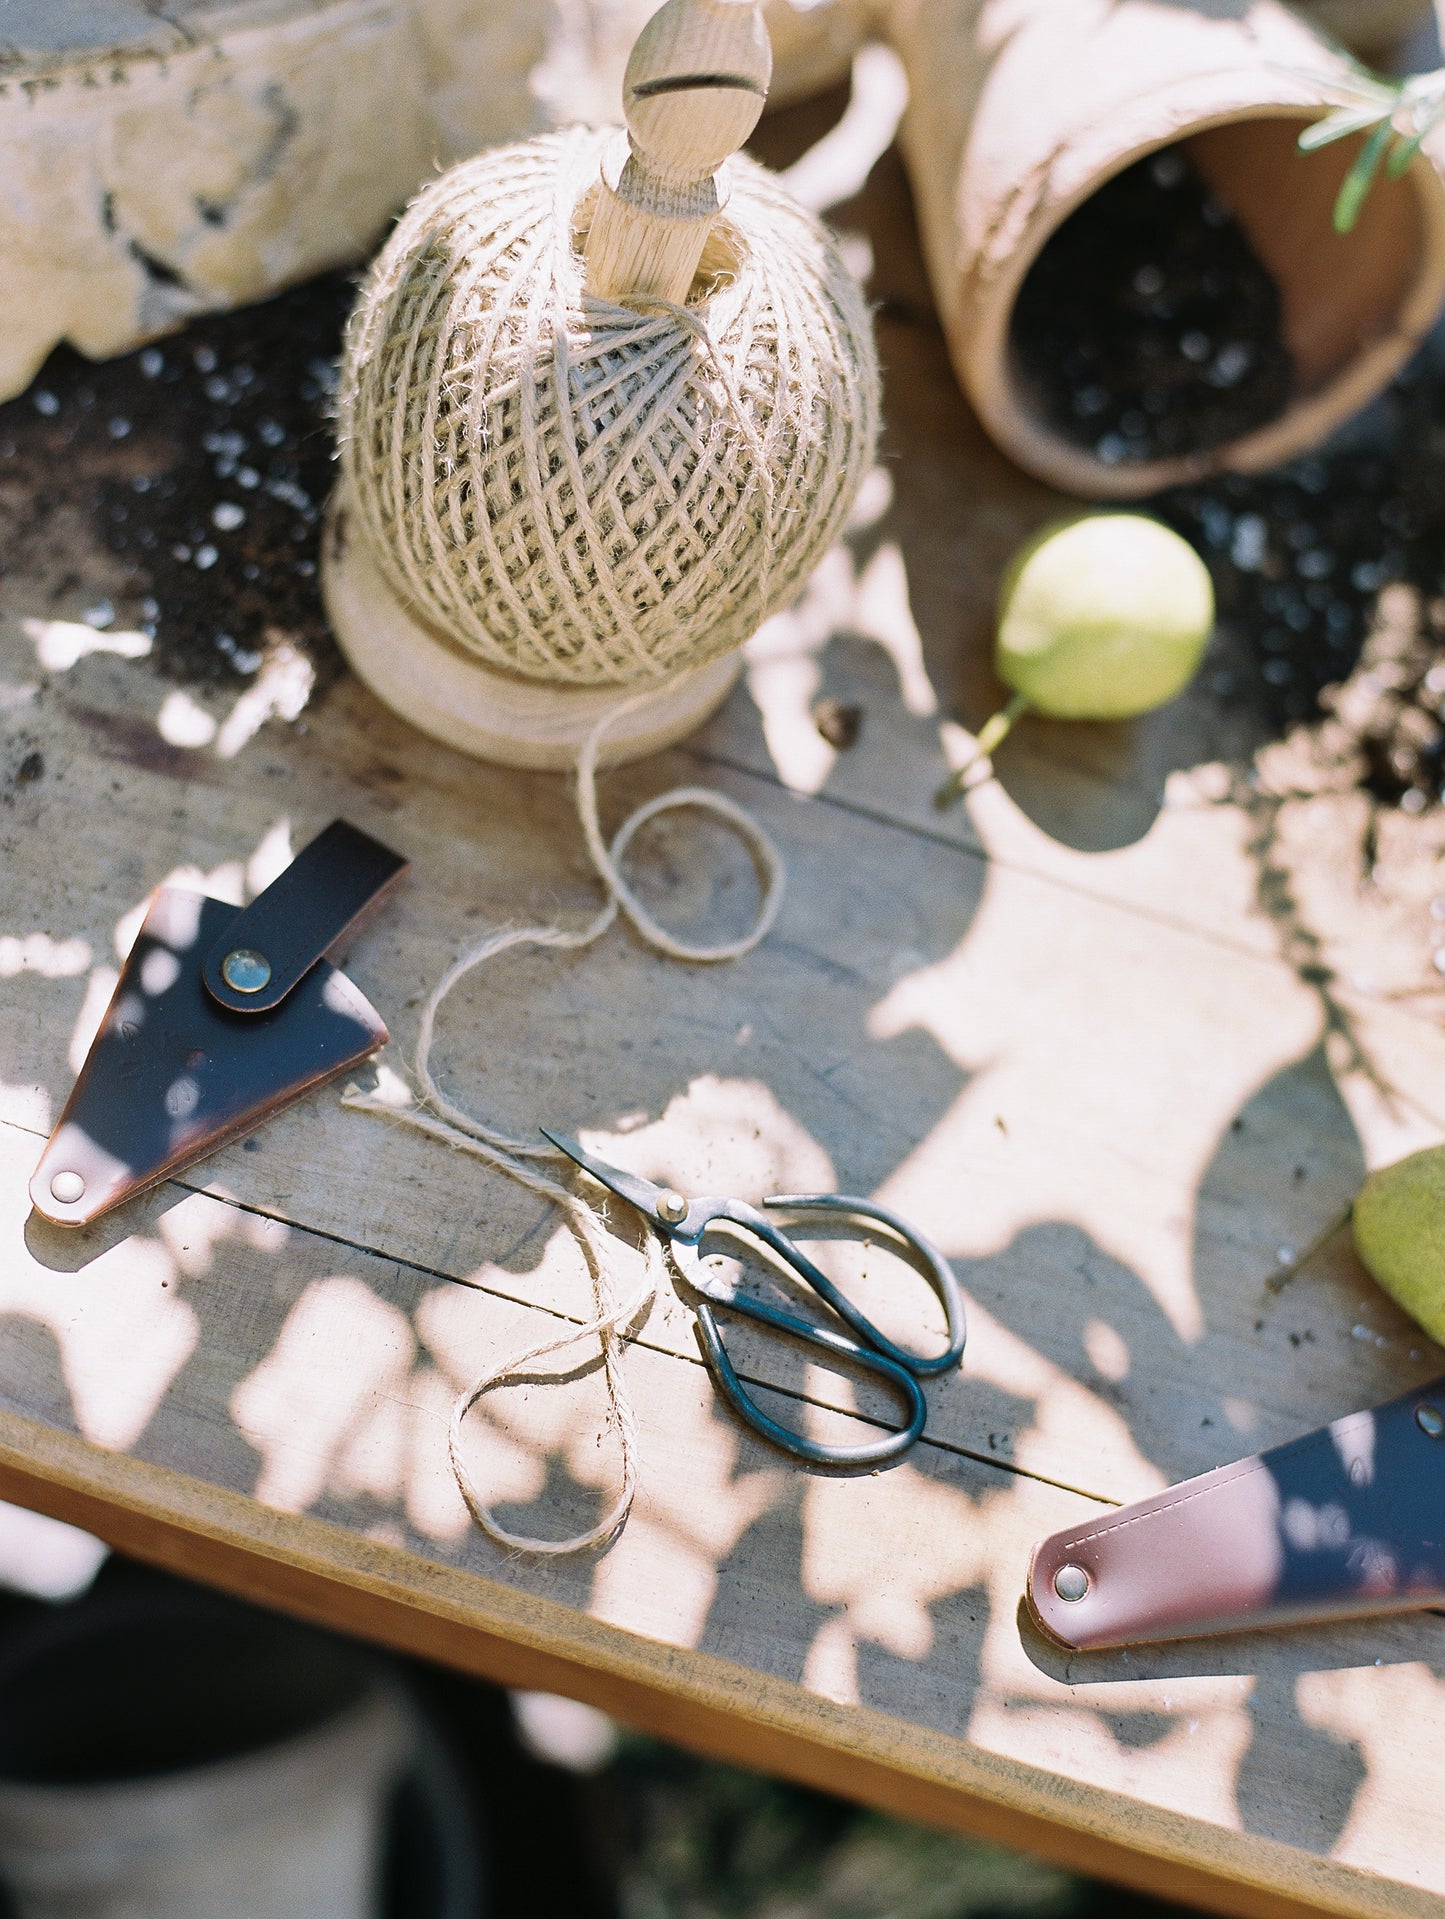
(1019, 112)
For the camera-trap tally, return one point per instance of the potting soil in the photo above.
(203, 463)
(1148, 326)
(1330, 579)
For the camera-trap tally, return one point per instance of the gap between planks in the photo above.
(424, 1271)
(974, 850)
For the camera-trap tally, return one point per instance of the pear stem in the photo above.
(991, 736)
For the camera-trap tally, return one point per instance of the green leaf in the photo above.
(1337, 125)
(1403, 152)
(1360, 178)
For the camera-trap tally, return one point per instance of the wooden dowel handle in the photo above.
(694, 88)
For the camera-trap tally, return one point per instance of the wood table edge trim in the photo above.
(323, 1573)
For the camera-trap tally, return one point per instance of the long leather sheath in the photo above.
(183, 1061)
(1349, 1520)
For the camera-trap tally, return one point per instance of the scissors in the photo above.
(681, 1224)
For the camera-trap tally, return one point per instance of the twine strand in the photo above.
(614, 1311)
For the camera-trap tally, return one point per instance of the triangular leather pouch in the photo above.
(222, 1016)
(1347, 1521)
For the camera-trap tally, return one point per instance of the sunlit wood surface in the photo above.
(1121, 1035)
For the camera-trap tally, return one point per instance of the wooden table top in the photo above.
(1121, 1035)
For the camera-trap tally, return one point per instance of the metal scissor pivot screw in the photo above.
(67, 1188)
(672, 1206)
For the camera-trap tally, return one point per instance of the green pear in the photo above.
(1101, 617)
(1400, 1235)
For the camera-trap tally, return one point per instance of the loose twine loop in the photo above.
(614, 1312)
(586, 493)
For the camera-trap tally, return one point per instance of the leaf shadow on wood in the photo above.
(747, 1595)
(32, 1372)
(609, 1040)
(891, 1683)
(1272, 1193)
(563, 1507)
(70, 1249)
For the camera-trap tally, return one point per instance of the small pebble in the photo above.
(837, 722)
(206, 556)
(227, 516)
(1250, 543)
(152, 363)
(45, 402)
(100, 616)
(1231, 364)
(118, 427)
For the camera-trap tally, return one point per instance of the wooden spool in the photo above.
(493, 716)
(1010, 129)
(693, 90)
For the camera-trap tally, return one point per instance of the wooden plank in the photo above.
(1061, 1036)
(1059, 1128)
(858, 1632)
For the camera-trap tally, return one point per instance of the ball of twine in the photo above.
(591, 493)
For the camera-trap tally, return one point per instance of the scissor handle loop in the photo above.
(931, 1265)
(816, 1452)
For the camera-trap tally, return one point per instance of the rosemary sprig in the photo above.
(1398, 115)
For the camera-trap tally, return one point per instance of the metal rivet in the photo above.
(1430, 1420)
(671, 1206)
(245, 970)
(67, 1188)
(1071, 1583)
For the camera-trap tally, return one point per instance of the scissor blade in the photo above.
(632, 1187)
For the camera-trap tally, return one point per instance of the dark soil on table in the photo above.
(1330, 579)
(1148, 326)
(203, 463)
